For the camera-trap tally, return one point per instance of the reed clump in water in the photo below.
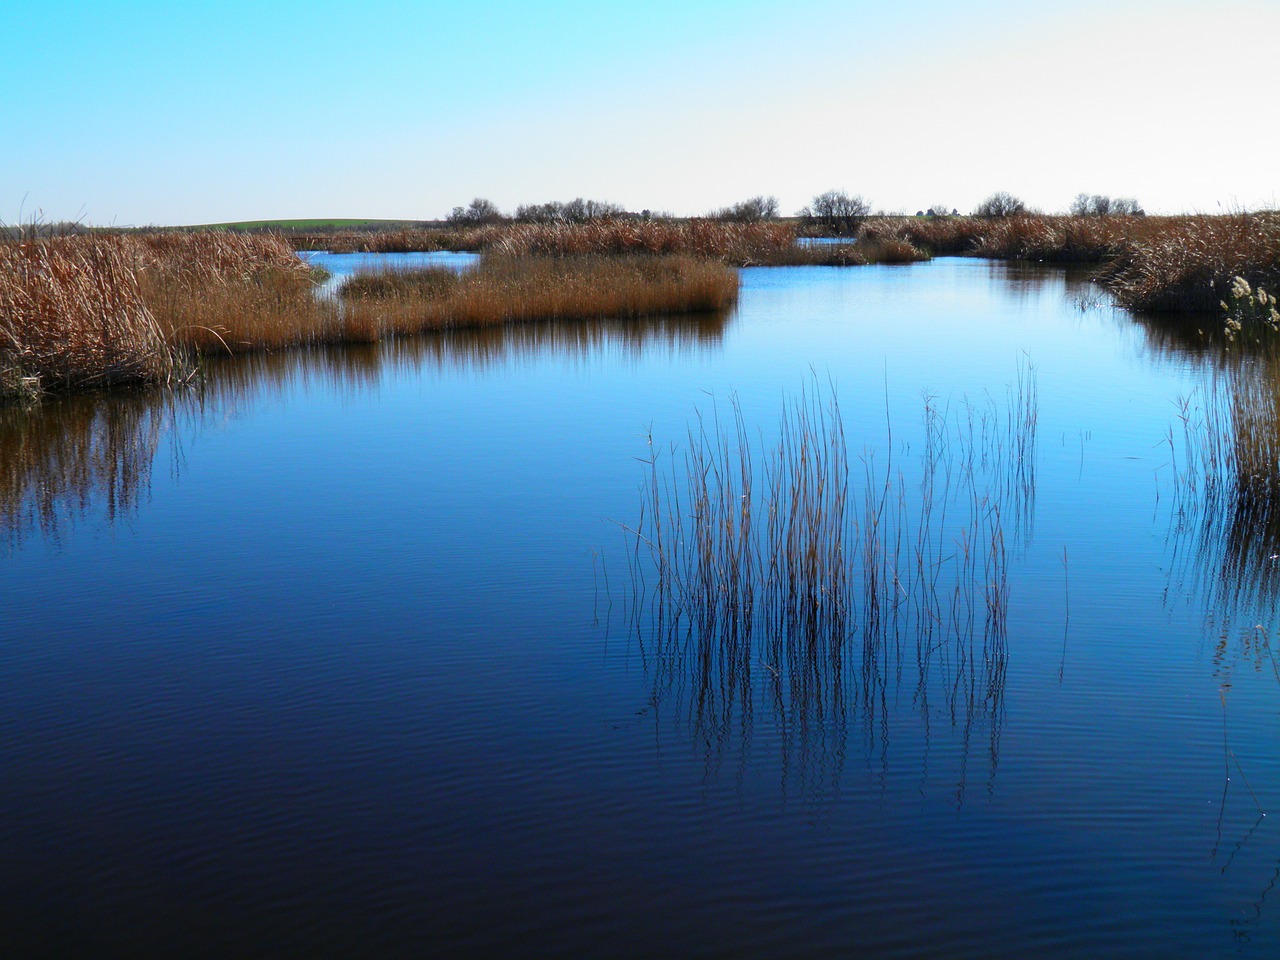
(510, 290)
(1227, 492)
(736, 243)
(1182, 264)
(776, 566)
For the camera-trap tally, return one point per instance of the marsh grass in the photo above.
(504, 290)
(1183, 264)
(73, 314)
(785, 569)
(1190, 264)
(106, 309)
(1226, 519)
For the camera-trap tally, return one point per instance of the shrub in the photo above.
(1000, 204)
(750, 211)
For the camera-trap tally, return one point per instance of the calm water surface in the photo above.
(336, 655)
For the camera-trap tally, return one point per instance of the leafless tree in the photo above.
(750, 211)
(479, 211)
(1000, 204)
(836, 211)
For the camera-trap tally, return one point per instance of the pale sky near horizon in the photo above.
(136, 113)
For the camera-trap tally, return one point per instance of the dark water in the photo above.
(337, 655)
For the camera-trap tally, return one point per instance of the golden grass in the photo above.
(742, 244)
(730, 242)
(1171, 264)
(509, 290)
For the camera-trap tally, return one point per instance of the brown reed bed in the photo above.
(767, 243)
(1189, 264)
(505, 289)
(736, 243)
(105, 309)
(217, 292)
(1165, 264)
(73, 314)
(399, 240)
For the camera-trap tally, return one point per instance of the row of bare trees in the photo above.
(834, 211)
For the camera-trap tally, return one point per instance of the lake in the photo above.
(355, 651)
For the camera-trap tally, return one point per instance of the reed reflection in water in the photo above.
(776, 575)
(75, 456)
(1225, 521)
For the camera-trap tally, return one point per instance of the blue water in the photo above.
(332, 656)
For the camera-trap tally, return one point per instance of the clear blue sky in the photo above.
(187, 113)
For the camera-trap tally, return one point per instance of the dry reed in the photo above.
(1190, 264)
(72, 313)
(506, 290)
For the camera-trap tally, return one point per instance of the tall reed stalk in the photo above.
(775, 566)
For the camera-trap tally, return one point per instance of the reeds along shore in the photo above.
(1169, 264)
(105, 309)
(98, 310)
(1162, 264)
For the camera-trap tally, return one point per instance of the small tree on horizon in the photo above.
(478, 212)
(1000, 204)
(1100, 205)
(836, 212)
(750, 211)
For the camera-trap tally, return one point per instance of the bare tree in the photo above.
(836, 212)
(576, 210)
(479, 211)
(1100, 205)
(1000, 204)
(750, 211)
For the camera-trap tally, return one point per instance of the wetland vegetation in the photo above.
(94, 309)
